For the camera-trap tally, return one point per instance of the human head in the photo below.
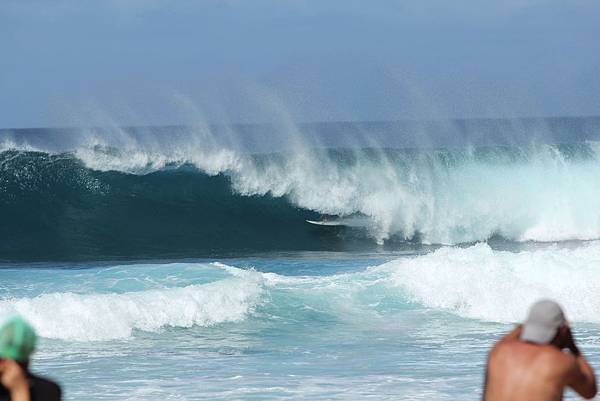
(17, 340)
(543, 323)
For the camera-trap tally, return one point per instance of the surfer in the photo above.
(529, 363)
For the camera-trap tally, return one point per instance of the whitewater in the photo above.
(295, 327)
(176, 262)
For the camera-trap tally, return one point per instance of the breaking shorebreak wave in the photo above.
(471, 283)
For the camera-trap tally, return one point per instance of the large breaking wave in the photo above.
(123, 195)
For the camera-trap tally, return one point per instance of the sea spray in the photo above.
(437, 196)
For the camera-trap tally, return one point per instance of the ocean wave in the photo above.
(535, 192)
(96, 317)
(471, 283)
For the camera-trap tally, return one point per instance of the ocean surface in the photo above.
(176, 262)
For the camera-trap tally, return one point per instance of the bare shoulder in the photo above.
(561, 362)
(559, 356)
(507, 350)
(505, 345)
(546, 354)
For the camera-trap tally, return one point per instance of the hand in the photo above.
(570, 341)
(515, 334)
(14, 379)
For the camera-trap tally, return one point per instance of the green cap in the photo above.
(17, 339)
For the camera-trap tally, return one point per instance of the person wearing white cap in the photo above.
(537, 360)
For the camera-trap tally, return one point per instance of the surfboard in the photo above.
(355, 222)
(326, 223)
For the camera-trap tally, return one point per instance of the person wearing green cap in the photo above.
(17, 383)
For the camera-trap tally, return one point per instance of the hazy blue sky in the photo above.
(78, 62)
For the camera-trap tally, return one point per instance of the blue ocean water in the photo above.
(301, 326)
(176, 263)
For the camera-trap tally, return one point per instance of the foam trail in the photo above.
(94, 317)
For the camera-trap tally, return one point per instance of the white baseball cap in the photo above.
(543, 321)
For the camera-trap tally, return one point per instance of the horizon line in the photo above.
(313, 123)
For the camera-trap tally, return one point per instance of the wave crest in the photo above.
(96, 317)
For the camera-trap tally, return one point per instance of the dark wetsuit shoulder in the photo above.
(41, 390)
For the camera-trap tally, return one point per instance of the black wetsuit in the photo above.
(40, 389)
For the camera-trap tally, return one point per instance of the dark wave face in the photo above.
(136, 195)
(54, 208)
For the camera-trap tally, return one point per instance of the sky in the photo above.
(135, 62)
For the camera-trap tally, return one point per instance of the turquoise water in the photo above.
(456, 229)
(341, 326)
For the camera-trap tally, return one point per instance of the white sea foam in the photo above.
(541, 195)
(90, 317)
(543, 198)
(478, 282)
